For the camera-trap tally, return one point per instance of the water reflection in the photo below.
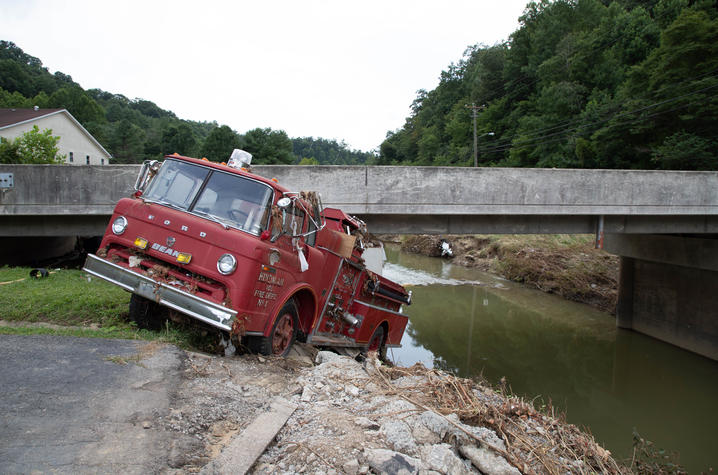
(609, 380)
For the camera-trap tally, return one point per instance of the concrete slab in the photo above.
(241, 453)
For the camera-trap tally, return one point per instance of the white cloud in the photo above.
(336, 69)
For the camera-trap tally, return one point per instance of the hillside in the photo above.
(580, 83)
(133, 130)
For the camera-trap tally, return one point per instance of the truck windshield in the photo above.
(227, 198)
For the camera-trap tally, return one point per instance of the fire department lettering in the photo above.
(165, 249)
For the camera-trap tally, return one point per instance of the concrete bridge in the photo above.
(664, 225)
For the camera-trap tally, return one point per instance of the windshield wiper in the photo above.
(211, 217)
(164, 203)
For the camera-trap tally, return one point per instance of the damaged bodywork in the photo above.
(262, 264)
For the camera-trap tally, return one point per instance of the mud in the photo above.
(567, 266)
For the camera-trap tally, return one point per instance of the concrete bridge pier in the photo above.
(668, 288)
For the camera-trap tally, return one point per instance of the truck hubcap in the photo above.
(283, 333)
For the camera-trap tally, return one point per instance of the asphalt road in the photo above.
(69, 405)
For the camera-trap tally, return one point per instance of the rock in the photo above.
(397, 407)
(351, 390)
(398, 435)
(351, 467)
(363, 470)
(487, 461)
(424, 436)
(442, 458)
(146, 424)
(307, 394)
(326, 356)
(435, 423)
(366, 423)
(390, 462)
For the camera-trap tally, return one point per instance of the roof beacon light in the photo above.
(239, 159)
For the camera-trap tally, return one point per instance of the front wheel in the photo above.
(146, 314)
(283, 334)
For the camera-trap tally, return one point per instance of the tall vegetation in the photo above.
(133, 130)
(31, 147)
(580, 83)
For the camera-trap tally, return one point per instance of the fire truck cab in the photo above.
(241, 253)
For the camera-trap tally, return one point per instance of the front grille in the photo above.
(166, 273)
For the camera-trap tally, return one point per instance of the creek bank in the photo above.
(360, 418)
(565, 265)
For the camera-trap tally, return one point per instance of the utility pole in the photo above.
(474, 113)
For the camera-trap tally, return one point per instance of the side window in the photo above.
(311, 228)
(72, 157)
(294, 223)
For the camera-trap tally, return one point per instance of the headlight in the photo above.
(119, 225)
(226, 264)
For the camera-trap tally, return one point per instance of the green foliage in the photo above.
(220, 143)
(31, 147)
(580, 83)
(329, 152)
(308, 161)
(70, 301)
(268, 147)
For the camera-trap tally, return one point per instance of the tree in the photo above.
(220, 143)
(179, 139)
(126, 142)
(308, 161)
(268, 146)
(31, 147)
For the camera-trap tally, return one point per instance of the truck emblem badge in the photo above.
(170, 241)
(203, 234)
(167, 221)
(151, 217)
(184, 228)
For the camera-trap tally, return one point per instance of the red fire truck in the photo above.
(262, 264)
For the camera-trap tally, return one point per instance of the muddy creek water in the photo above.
(608, 380)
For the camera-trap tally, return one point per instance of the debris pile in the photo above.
(368, 418)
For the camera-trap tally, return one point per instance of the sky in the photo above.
(344, 70)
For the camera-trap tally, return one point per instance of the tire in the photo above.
(283, 334)
(146, 314)
(377, 342)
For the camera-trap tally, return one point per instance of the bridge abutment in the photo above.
(668, 288)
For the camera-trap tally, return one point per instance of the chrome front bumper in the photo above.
(208, 312)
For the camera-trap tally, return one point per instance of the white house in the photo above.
(76, 143)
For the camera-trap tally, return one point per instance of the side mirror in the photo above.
(284, 203)
(147, 172)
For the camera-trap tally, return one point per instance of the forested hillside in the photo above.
(581, 83)
(133, 130)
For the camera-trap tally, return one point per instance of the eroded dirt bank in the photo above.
(354, 418)
(566, 265)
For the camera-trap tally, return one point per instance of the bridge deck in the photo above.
(68, 200)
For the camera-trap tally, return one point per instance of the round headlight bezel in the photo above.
(119, 225)
(224, 270)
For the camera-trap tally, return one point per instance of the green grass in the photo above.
(79, 306)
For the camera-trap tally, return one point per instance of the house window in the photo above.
(102, 161)
(87, 159)
(72, 158)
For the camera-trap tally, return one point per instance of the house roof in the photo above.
(13, 117)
